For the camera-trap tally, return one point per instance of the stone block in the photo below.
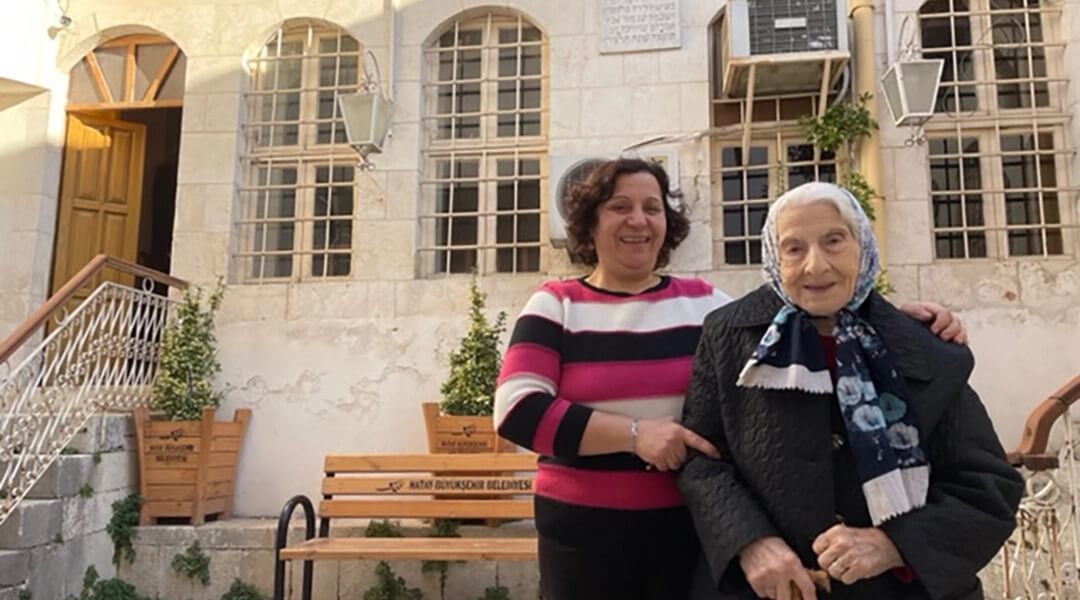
(34, 523)
(402, 194)
(684, 64)
(565, 113)
(48, 571)
(251, 303)
(116, 471)
(963, 285)
(385, 249)
(105, 433)
(257, 567)
(597, 117)
(326, 580)
(558, 18)
(63, 478)
(694, 106)
(80, 553)
(640, 68)
(399, 151)
(1050, 284)
(223, 112)
(735, 282)
(208, 158)
(908, 238)
(234, 534)
(567, 57)
(143, 572)
(905, 282)
(166, 535)
(14, 567)
(84, 516)
(434, 297)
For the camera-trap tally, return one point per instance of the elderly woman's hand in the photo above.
(943, 323)
(853, 553)
(662, 443)
(771, 567)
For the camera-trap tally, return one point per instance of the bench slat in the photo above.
(405, 463)
(427, 485)
(426, 509)
(413, 548)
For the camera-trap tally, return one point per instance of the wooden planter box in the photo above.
(188, 468)
(461, 435)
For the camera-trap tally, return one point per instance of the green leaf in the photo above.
(469, 388)
(187, 360)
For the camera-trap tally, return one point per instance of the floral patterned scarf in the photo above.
(882, 429)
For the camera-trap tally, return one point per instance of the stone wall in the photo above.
(244, 549)
(58, 531)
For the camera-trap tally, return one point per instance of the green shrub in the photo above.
(193, 563)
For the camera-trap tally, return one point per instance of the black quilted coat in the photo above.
(786, 470)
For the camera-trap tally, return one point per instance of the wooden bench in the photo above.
(403, 486)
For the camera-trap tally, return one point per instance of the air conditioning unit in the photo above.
(792, 45)
(567, 171)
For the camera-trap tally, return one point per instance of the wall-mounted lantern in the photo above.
(911, 88)
(367, 115)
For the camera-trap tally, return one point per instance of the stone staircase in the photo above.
(58, 530)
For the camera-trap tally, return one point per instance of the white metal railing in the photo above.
(1040, 560)
(100, 356)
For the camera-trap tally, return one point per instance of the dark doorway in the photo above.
(159, 184)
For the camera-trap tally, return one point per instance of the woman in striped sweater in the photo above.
(594, 380)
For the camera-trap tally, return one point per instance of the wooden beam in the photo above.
(748, 118)
(124, 105)
(823, 99)
(162, 72)
(99, 78)
(129, 74)
(523, 548)
(139, 39)
(424, 509)
(426, 463)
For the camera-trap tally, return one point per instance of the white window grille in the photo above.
(298, 201)
(997, 147)
(745, 185)
(485, 127)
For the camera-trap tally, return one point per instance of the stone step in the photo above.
(105, 433)
(103, 472)
(33, 523)
(14, 567)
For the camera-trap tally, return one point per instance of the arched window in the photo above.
(997, 150)
(297, 205)
(485, 146)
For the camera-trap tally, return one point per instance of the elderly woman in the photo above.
(850, 439)
(594, 379)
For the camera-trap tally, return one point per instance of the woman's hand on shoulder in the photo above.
(853, 553)
(943, 323)
(771, 567)
(663, 443)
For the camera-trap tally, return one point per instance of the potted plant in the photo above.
(187, 460)
(461, 422)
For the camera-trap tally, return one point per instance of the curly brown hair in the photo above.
(585, 200)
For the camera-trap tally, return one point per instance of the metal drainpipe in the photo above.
(862, 26)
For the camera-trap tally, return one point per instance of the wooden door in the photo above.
(100, 196)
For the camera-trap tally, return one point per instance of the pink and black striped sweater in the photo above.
(575, 349)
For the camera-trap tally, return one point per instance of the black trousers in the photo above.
(600, 554)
